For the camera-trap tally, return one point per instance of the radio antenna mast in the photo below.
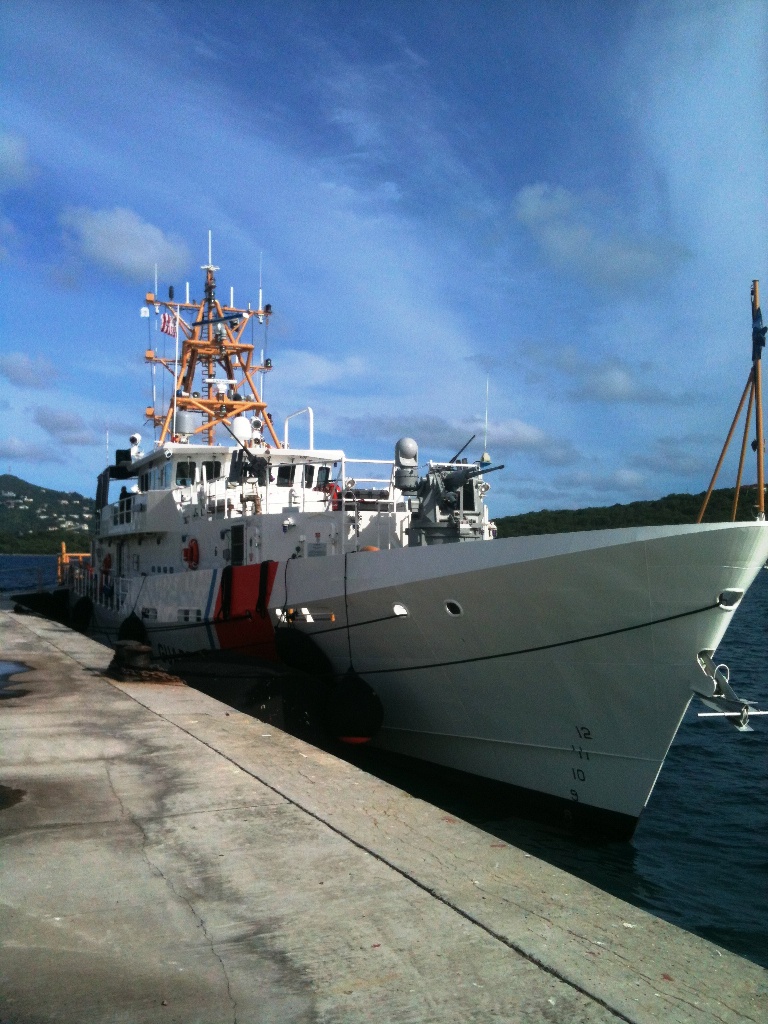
(486, 457)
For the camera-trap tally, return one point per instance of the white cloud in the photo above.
(587, 236)
(620, 480)
(437, 436)
(678, 456)
(26, 451)
(514, 436)
(24, 372)
(609, 380)
(311, 370)
(615, 381)
(121, 241)
(66, 428)
(15, 167)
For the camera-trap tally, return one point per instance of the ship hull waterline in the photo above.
(559, 664)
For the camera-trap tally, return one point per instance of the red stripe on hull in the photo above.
(241, 618)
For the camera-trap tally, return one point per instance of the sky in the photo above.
(559, 204)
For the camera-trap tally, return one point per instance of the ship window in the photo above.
(160, 477)
(185, 473)
(189, 615)
(323, 476)
(237, 545)
(309, 475)
(285, 475)
(212, 470)
(454, 608)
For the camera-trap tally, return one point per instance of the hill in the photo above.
(35, 520)
(672, 510)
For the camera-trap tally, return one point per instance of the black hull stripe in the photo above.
(542, 647)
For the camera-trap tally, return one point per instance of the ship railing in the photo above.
(100, 585)
(67, 561)
(372, 488)
(373, 500)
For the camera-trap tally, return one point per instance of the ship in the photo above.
(560, 664)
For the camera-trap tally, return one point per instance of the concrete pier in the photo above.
(165, 858)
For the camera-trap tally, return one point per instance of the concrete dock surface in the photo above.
(166, 858)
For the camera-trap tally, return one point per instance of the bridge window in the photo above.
(285, 475)
(212, 470)
(323, 476)
(309, 475)
(185, 473)
(159, 479)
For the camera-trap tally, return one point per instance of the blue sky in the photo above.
(567, 200)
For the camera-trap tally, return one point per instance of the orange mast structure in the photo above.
(212, 344)
(753, 388)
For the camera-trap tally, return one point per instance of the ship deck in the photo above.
(166, 857)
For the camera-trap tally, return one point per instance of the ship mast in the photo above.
(213, 346)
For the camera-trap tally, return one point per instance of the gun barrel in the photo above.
(458, 477)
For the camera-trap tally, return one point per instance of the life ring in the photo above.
(191, 554)
(106, 565)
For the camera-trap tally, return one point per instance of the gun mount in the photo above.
(447, 505)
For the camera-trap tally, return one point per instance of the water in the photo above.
(699, 857)
(21, 574)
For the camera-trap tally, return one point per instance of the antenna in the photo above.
(155, 279)
(485, 435)
(261, 257)
(485, 458)
(209, 265)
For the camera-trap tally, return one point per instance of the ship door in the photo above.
(237, 545)
(468, 497)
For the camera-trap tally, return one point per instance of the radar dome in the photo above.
(406, 452)
(241, 428)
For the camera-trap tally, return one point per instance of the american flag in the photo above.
(168, 324)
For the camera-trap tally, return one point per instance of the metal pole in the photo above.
(758, 341)
(747, 421)
(707, 496)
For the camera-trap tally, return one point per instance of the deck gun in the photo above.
(447, 504)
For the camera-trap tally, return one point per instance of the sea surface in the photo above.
(20, 574)
(699, 856)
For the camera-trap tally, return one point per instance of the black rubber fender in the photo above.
(81, 615)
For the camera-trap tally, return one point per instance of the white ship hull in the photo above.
(564, 666)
